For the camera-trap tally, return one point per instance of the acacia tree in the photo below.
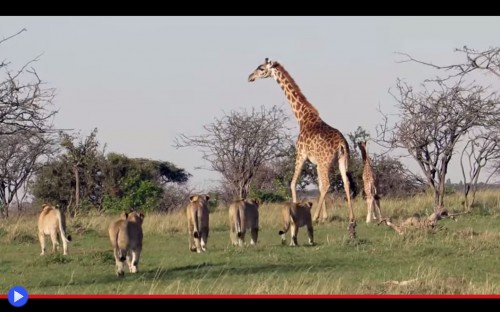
(475, 60)
(482, 146)
(19, 159)
(431, 123)
(481, 150)
(25, 122)
(239, 143)
(82, 157)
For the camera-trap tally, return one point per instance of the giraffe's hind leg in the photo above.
(324, 185)
(343, 166)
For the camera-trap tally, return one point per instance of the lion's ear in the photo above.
(193, 198)
(141, 215)
(207, 197)
(256, 202)
(309, 204)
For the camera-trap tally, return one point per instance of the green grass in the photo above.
(460, 257)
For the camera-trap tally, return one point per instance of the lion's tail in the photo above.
(62, 225)
(240, 220)
(120, 247)
(286, 226)
(196, 221)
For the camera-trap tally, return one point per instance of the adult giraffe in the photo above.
(317, 141)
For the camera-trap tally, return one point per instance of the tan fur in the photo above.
(198, 222)
(243, 215)
(417, 222)
(126, 238)
(370, 183)
(294, 216)
(52, 222)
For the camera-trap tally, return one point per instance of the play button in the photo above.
(18, 296)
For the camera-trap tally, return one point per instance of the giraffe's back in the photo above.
(321, 141)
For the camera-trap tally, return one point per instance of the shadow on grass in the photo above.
(214, 271)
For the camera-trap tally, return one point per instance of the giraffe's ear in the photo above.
(267, 61)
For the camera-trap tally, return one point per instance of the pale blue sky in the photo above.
(143, 80)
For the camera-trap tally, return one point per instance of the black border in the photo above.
(254, 304)
(241, 8)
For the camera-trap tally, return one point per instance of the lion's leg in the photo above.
(128, 260)
(118, 262)
(233, 234)
(41, 237)
(192, 242)
(310, 233)
(65, 246)
(241, 237)
(204, 238)
(286, 227)
(255, 235)
(55, 242)
(134, 264)
(294, 229)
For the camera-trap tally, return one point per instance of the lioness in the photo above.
(197, 218)
(296, 215)
(126, 238)
(52, 222)
(243, 215)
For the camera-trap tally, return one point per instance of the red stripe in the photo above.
(206, 296)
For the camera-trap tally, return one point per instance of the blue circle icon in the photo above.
(18, 296)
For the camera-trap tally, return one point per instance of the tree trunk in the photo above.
(5, 208)
(77, 189)
(466, 196)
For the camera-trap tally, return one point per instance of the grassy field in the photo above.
(460, 257)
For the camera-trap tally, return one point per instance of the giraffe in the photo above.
(317, 141)
(370, 183)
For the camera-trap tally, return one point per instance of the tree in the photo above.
(25, 122)
(111, 182)
(19, 160)
(53, 183)
(487, 60)
(82, 158)
(432, 121)
(142, 183)
(482, 146)
(24, 102)
(239, 143)
(394, 179)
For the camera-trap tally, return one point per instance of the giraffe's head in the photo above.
(264, 70)
(362, 144)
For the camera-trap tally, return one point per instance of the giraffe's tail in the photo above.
(352, 185)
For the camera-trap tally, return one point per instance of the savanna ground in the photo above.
(460, 257)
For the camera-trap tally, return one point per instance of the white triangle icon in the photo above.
(17, 296)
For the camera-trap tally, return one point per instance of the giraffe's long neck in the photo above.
(364, 155)
(305, 112)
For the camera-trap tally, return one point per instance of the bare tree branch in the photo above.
(488, 60)
(239, 143)
(433, 120)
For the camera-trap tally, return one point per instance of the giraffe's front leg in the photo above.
(299, 162)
